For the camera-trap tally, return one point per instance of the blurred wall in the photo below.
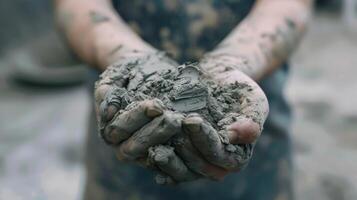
(22, 20)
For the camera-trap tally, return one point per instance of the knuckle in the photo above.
(153, 108)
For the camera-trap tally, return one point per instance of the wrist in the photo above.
(144, 58)
(111, 42)
(121, 52)
(223, 64)
(128, 53)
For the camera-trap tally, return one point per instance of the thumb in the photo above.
(243, 131)
(253, 112)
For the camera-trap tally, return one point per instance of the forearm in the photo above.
(96, 33)
(263, 41)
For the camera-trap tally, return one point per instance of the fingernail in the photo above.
(153, 112)
(193, 124)
(155, 109)
(243, 132)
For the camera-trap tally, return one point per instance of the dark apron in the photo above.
(186, 29)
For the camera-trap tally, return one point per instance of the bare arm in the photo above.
(263, 41)
(96, 32)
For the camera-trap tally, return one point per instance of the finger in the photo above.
(115, 99)
(214, 147)
(195, 161)
(253, 109)
(158, 131)
(166, 160)
(100, 93)
(239, 129)
(111, 81)
(243, 131)
(131, 120)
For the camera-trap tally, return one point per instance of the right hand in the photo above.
(131, 125)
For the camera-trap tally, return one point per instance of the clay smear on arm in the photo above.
(96, 32)
(263, 41)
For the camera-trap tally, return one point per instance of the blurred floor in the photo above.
(42, 130)
(41, 135)
(323, 93)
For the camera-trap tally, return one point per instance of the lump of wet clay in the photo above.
(185, 89)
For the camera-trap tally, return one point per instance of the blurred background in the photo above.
(44, 105)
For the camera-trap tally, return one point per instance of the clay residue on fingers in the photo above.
(127, 121)
(164, 157)
(158, 131)
(181, 89)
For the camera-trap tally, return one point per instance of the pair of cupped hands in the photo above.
(178, 146)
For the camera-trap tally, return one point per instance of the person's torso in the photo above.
(186, 29)
(183, 28)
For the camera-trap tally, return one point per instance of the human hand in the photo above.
(131, 120)
(218, 139)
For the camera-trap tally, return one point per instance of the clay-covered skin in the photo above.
(170, 116)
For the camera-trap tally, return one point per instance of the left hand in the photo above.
(213, 153)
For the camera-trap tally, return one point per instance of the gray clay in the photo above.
(182, 89)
